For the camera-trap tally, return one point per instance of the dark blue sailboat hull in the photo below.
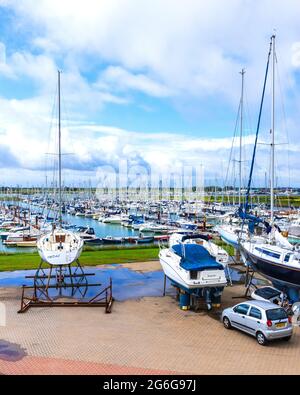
(275, 271)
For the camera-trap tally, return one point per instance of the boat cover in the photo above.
(195, 257)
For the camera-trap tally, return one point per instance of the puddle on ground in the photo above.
(238, 276)
(11, 352)
(126, 283)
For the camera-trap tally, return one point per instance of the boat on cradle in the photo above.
(60, 246)
(275, 258)
(278, 263)
(195, 266)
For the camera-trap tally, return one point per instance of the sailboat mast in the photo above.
(241, 139)
(272, 131)
(59, 152)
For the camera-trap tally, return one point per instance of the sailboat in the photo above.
(273, 257)
(59, 247)
(231, 233)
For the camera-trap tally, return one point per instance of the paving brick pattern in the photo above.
(147, 336)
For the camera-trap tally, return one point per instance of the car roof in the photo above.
(262, 304)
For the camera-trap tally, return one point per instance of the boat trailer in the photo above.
(49, 289)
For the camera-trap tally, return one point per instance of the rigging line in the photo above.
(232, 144)
(285, 126)
(49, 140)
(258, 127)
(250, 128)
(52, 118)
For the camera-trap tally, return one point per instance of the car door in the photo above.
(254, 319)
(239, 317)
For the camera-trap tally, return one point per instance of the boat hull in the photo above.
(228, 237)
(63, 256)
(286, 275)
(178, 275)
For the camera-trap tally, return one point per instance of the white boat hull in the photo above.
(170, 263)
(60, 253)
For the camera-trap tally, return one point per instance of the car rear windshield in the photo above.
(276, 314)
(267, 292)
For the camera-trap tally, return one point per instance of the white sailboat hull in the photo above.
(63, 252)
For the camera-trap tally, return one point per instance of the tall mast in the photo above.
(59, 152)
(241, 138)
(273, 130)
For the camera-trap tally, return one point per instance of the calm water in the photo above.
(101, 230)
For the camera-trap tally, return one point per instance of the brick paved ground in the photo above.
(140, 336)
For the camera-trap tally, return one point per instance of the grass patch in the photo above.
(11, 262)
(228, 248)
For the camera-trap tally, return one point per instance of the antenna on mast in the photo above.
(59, 150)
(241, 137)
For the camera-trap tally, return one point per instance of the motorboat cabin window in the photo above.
(255, 313)
(241, 309)
(193, 274)
(287, 257)
(268, 252)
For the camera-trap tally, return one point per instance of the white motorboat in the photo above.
(196, 265)
(155, 228)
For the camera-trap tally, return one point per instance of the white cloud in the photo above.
(296, 54)
(191, 46)
(120, 79)
(172, 49)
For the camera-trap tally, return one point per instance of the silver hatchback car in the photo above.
(264, 320)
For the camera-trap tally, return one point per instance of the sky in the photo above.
(154, 83)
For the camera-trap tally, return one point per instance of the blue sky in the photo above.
(152, 82)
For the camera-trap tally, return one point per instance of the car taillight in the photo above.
(269, 323)
(290, 319)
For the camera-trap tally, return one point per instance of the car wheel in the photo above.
(287, 338)
(261, 339)
(227, 323)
